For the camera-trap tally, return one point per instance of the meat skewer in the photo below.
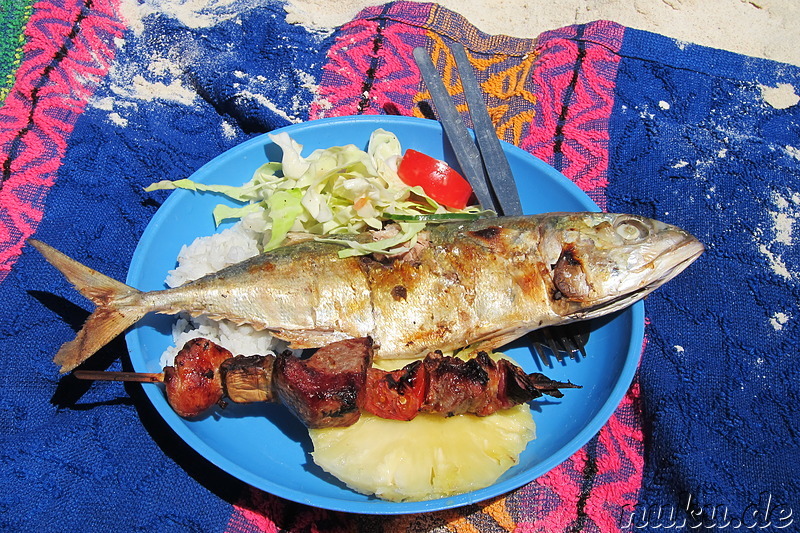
(334, 385)
(107, 375)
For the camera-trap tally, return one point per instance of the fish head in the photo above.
(603, 262)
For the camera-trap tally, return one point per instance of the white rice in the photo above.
(204, 256)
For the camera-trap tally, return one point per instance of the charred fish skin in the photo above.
(488, 282)
(476, 282)
(483, 283)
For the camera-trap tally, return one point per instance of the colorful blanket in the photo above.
(102, 97)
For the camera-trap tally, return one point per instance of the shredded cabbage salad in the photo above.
(333, 191)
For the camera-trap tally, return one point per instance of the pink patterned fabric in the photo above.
(382, 51)
(576, 143)
(69, 50)
(567, 499)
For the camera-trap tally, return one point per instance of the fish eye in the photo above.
(632, 230)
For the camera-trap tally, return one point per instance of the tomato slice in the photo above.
(437, 179)
(396, 395)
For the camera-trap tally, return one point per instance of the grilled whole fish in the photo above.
(484, 283)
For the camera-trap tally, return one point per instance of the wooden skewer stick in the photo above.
(101, 375)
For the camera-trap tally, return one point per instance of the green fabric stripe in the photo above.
(14, 15)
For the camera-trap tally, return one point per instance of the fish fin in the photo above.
(118, 307)
(100, 328)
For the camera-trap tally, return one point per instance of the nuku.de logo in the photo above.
(690, 514)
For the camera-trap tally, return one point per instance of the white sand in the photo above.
(761, 28)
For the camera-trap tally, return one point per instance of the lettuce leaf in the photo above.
(333, 191)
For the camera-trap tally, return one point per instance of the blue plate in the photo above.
(262, 444)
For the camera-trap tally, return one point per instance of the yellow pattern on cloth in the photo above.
(502, 78)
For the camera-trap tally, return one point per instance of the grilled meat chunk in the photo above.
(481, 386)
(194, 384)
(456, 386)
(328, 388)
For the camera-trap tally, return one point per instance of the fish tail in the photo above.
(118, 307)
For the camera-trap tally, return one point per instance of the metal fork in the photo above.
(486, 168)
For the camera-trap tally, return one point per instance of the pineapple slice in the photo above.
(426, 458)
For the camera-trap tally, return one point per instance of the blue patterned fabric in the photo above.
(696, 141)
